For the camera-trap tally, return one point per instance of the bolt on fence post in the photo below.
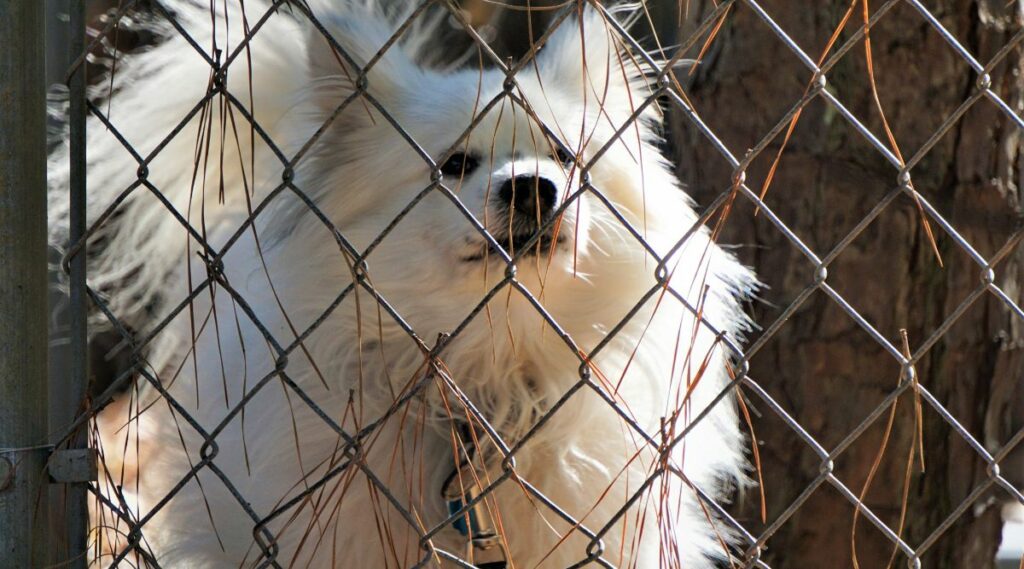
(23, 311)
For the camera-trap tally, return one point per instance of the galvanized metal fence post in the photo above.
(23, 311)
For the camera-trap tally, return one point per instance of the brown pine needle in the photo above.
(756, 453)
(889, 134)
(867, 483)
(916, 445)
(711, 37)
(796, 117)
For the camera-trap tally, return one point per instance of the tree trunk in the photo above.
(822, 367)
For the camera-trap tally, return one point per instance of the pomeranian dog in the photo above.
(391, 311)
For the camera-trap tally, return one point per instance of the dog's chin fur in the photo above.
(430, 272)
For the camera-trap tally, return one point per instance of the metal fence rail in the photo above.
(132, 528)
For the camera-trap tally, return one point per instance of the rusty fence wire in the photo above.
(131, 527)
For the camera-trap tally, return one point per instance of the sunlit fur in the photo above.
(288, 267)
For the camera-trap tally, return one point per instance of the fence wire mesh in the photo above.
(222, 114)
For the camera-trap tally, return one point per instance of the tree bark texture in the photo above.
(821, 366)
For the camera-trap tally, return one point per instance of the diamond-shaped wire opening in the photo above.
(874, 537)
(897, 227)
(791, 455)
(187, 428)
(312, 515)
(898, 39)
(841, 193)
(790, 92)
(974, 491)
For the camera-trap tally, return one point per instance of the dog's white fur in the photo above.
(661, 368)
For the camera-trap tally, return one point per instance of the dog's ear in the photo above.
(583, 47)
(351, 63)
(586, 52)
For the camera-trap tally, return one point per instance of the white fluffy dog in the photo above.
(308, 381)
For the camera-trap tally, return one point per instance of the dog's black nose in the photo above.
(529, 195)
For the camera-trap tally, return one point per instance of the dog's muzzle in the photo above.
(526, 205)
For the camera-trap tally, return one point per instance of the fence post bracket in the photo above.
(68, 466)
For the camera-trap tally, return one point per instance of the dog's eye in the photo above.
(459, 164)
(564, 157)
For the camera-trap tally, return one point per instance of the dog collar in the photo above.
(484, 547)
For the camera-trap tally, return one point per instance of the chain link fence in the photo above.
(141, 390)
